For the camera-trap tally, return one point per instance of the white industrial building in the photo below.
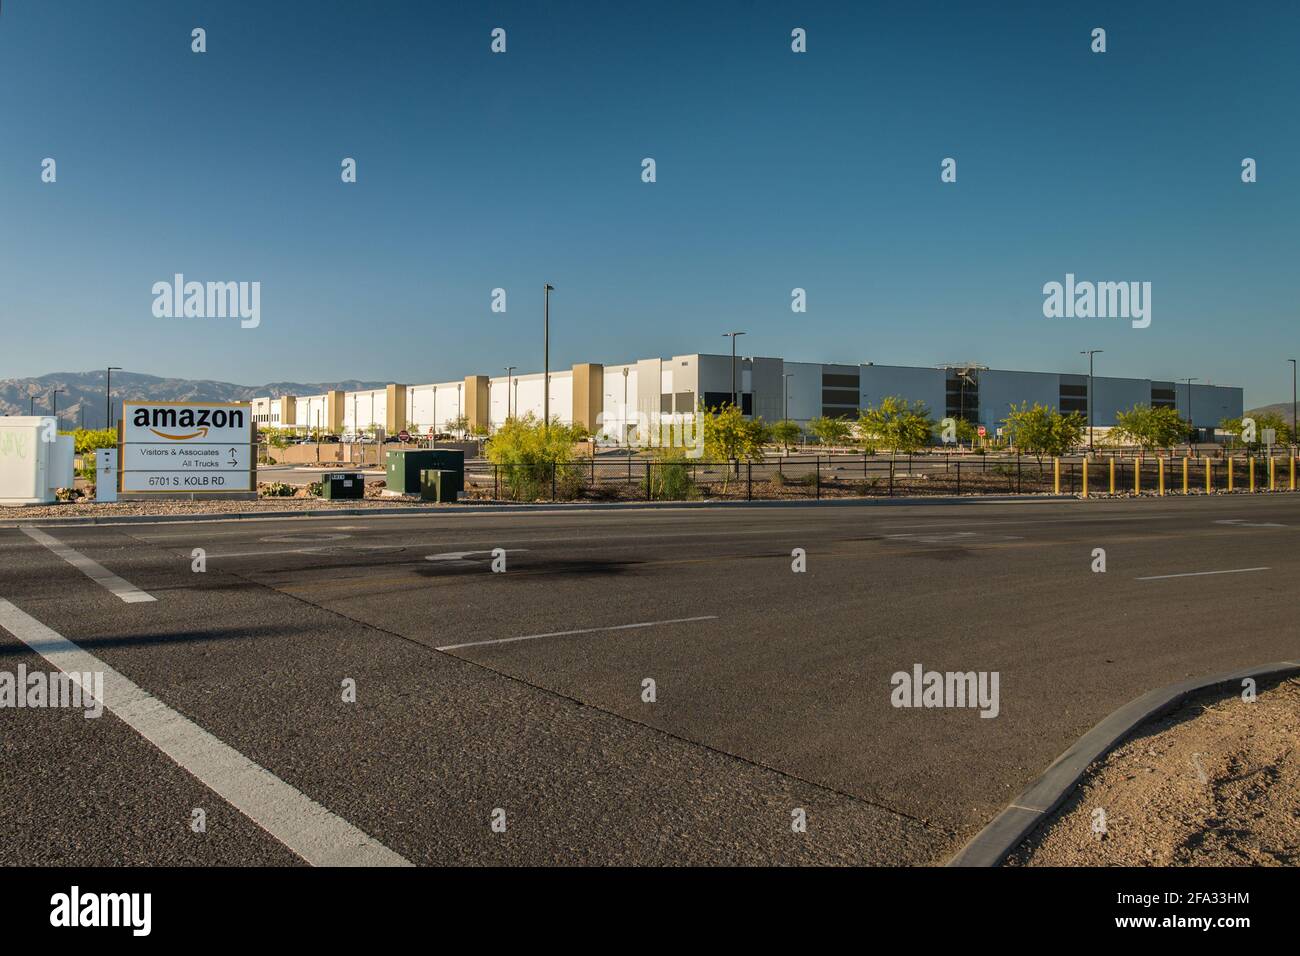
(627, 401)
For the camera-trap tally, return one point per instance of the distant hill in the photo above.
(1278, 408)
(84, 392)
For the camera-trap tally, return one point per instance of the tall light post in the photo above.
(1090, 353)
(733, 336)
(1191, 420)
(624, 438)
(1295, 438)
(108, 395)
(510, 370)
(54, 403)
(547, 289)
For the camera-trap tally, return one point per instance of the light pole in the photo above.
(509, 379)
(1090, 353)
(624, 438)
(547, 289)
(1191, 420)
(54, 400)
(785, 394)
(108, 395)
(732, 336)
(1295, 438)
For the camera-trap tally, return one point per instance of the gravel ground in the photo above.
(1214, 783)
(263, 505)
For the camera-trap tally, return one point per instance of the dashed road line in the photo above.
(581, 630)
(300, 823)
(1197, 574)
(105, 578)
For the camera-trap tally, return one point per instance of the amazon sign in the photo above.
(184, 448)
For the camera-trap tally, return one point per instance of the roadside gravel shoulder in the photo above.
(1216, 782)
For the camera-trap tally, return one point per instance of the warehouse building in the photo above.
(627, 402)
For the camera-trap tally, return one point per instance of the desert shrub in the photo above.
(529, 456)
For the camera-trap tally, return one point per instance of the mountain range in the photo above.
(82, 398)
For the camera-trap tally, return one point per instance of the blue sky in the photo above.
(775, 170)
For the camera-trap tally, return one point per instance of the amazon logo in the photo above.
(184, 424)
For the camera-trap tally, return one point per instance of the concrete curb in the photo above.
(1023, 815)
(514, 509)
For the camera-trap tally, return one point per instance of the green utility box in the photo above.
(440, 484)
(342, 484)
(405, 465)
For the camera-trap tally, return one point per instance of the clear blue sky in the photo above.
(775, 170)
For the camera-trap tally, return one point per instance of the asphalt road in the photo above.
(772, 688)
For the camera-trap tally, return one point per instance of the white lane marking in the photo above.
(581, 630)
(289, 815)
(287, 538)
(1241, 523)
(462, 557)
(334, 549)
(1197, 574)
(105, 578)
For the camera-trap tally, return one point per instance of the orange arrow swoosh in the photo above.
(201, 433)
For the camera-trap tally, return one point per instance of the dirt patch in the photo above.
(1214, 783)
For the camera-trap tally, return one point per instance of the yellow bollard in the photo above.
(1137, 476)
(1160, 478)
(1112, 474)
(1185, 488)
(1085, 479)
(1230, 461)
(1272, 473)
(1209, 482)
(1252, 473)
(1056, 476)
(1293, 472)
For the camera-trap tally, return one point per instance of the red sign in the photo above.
(404, 435)
(982, 431)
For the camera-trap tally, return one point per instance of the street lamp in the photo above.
(624, 440)
(547, 289)
(509, 378)
(1295, 438)
(1090, 353)
(732, 336)
(54, 399)
(108, 395)
(1191, 420)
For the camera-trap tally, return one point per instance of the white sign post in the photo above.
(187, 448)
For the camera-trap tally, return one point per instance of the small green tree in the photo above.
(1150, 428)
(729, 436)
(457, 426)
(786, 433)
(1263, 421)
(831, 431)
(1042, 431)
(962, 431)
(898, 424)
(529, 454)
(84, 443)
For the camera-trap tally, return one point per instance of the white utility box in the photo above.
(105, 474)
(35, 460)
